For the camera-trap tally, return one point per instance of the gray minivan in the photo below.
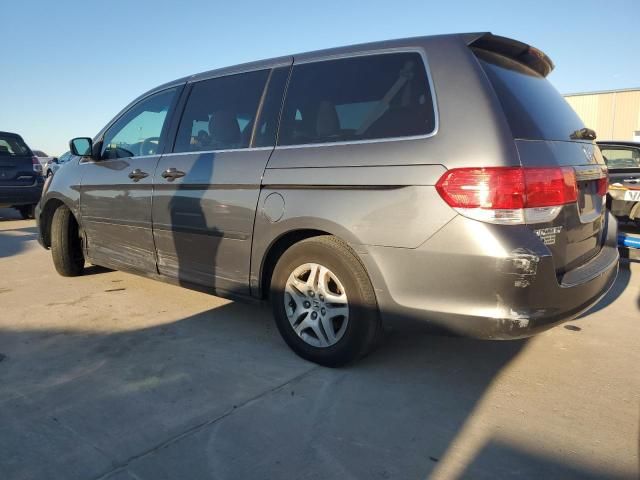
(441, 179)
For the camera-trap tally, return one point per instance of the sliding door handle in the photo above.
(171, 174)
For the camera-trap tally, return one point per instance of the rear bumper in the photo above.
(487, 281)
(623, 208)
(16, 196)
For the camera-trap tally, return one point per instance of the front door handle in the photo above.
(171, 174)
(137, 174)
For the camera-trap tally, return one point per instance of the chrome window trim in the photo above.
(224, 150)
(366, 53)
(103, 160)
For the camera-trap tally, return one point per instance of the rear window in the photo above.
(621, 157)
(357, 98)
(12, 146)
(533, 107)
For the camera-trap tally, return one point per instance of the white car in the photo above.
(43, 158)
(54, 164)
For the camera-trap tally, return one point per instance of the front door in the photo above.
(206, 190)
(116, 189)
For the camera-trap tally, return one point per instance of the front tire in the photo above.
(323, 302)
(66, 246)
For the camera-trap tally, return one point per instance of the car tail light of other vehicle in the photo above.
(509, 195)
(37, 167)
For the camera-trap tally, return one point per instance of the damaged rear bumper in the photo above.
(487, 281)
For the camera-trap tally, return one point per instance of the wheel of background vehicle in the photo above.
(323, 302)
(66, 247)
(27, 211)
(49, 173)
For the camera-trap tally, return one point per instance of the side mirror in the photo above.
(81, 146)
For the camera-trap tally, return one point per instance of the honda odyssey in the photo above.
(440, 179)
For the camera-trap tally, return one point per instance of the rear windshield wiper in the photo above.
(583, 134)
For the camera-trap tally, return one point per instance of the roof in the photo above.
(620, 143)
(600, 92)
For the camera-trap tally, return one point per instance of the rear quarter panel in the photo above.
(382, 193)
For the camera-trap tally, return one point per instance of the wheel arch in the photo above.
(286, 238)
(46, 216)
(274, 251)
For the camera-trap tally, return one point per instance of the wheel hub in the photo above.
(316, 305)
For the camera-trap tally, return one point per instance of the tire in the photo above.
(66, 246)
(27, 212)
(346, 274)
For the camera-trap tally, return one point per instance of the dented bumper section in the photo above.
(488, 281)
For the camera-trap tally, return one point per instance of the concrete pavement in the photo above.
(115, 376)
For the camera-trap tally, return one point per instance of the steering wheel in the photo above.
(149, 146)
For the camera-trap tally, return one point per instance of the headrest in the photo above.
(327, 122)
(224, 128)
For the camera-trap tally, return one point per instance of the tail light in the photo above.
(37, 167)
(603, 183)
(509, 195)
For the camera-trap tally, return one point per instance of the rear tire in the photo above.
(27, 212)
(352, 294)
(66, 246)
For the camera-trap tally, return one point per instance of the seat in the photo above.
(224, 130)
(327, 122)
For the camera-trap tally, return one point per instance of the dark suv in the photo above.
(20, 175)
(438, 178)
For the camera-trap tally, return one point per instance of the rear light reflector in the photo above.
(603, 186)
(37, 167)
(509, 195)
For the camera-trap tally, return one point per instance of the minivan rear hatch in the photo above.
(16, 164)
(548, 133)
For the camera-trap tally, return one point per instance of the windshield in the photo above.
(12, 146)
(533, 107)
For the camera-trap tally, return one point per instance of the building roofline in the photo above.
(599, 92)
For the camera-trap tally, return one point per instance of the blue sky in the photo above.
(68, 66)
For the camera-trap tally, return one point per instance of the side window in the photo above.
(358, 98)
(220, 113)
(621, 157)
(138, 131)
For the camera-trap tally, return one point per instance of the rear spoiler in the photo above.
(518, 51)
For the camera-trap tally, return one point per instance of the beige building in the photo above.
(613, 114)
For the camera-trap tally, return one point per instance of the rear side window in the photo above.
(220, 113)
(620, 157)
(533, 107)
(12, 146)
(357, 98)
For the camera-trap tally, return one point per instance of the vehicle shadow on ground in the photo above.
(9, 215)
(14, 241)
(219, 395)
(226, 383)
(618, 288)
